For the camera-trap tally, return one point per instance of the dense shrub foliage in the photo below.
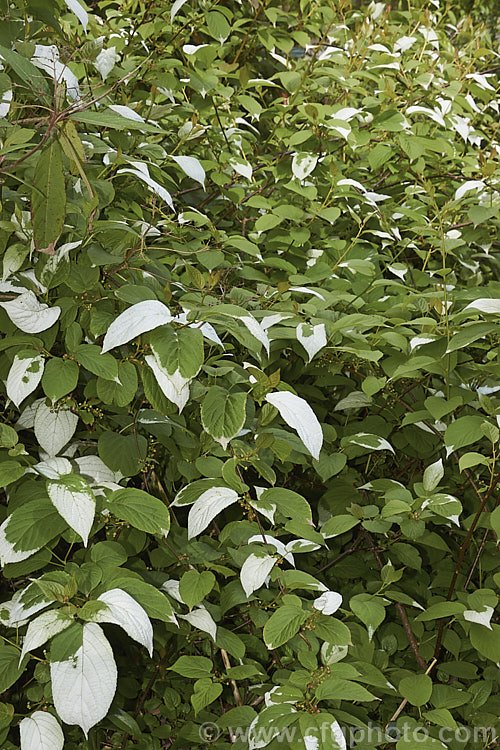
(250, 375)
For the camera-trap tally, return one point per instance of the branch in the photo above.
(401, 611)
(483, 499)
(346, 552)
(227, 664)
(461, 555)
(405, 701)
(145, 692)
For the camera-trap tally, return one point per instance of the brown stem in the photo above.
(242, 45)
(461, 555)
(400, 610)
(476, 559)
(483, 499)
(227, 664)
(409, 634)
(343, 554)
(145, 692)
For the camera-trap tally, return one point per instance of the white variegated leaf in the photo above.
(41, 731)
(176, 8)
(53, 468)
(8, 553)
(354, 400)
(84, 685)
(79, 12)
(338, 740)
(485, 305)
(242, 168)
(172, 589)
(481, 618)
(268, 321)
(312, 338)
(372, 442)
(209, 504)
(298, 415)
(267, 510)
(75, 502)
(467, 187)
(44, 627)
(280, 548)
(256, 330)
(46, 57)
(202, 620)
(303, 164)
(24, 376)
(191, 167)
(141, 172)
(301, 545)
(19, 607)
(305, 290)
(328, 603)
(105, 61)
(254, 572)
(30, 315)
(54, 428)
(140, 318)
(125, 611)
(94, 469)
(5, 102)
(433, 475)
(127, 112)
(174, 387)
(26, 419)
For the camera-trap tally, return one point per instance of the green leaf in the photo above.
(267, 222)
(289, 503)
(331, 630)
(123, 453)
(416, 689)
(440, 716)
(178, 349)
(195, 586)
(339, 689)
(205, 692)
(59, 378)
(30, 527)
(48, 199)
(329, 466)
(113, 120)
(471, 459)
(10, 471)
(6, 714)
(28, 72)
(150, 598)
(121, 393)
(486, 641)
(337, 525)
(495, 521)
(8, 436)
(141, 510)
(370, 611)
(192, 666)
(10, 670)
(418, 740)
(283, 625)
(223, 413)
(103, 365)
(463, 431)
(218, 26)
(441, 609)
(467, 335)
